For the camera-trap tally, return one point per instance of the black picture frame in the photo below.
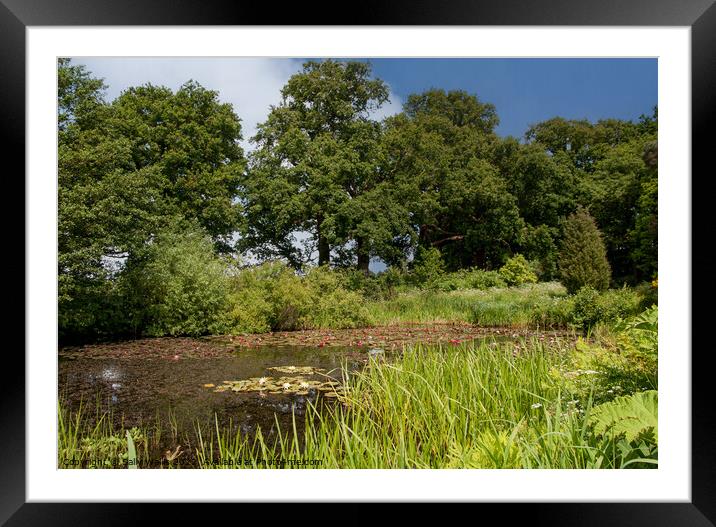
(699, 15)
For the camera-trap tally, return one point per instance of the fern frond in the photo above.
(631, 416)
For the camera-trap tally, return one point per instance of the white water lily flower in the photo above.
(537, 405)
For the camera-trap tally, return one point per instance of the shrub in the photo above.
(332, 305)
(517, 271)
(272, 297)
(649, 293)
(428, 267)
(470, 279)
(583, 258)
(639, 340)
(479, 279)
(179, 287)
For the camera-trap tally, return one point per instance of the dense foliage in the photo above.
(158, 207)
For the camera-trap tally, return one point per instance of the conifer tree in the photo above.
(583, 258)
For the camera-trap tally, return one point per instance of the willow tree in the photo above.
(314, 182)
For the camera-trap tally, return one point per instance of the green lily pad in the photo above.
(275, 385)
(297, 370)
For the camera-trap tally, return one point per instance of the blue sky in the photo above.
(527, 91)
(524, 91)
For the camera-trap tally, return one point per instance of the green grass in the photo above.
(89, 439)
(528, 305)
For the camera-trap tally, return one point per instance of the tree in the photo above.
(438, 156)
(191, 139)
(315, 172)
(583, 258)
(609, 174)
(127, 170)
(644, 235)
(105, 205)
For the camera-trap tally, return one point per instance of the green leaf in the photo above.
(131, 452)
(632, 416)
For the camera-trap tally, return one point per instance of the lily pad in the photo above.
(276, 385)
(297, 370)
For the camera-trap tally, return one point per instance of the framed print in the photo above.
(414, 258)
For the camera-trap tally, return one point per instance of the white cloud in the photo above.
(251, 85)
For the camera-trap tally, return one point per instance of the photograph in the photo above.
(357, 262)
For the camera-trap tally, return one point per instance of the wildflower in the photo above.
(537, 405)
(304, 384)
(286, 385)
(262, 380)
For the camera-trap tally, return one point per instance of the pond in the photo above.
(235, 383)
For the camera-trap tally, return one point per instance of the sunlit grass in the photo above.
(530, 305)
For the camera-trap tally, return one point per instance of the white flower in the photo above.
(304, 384)
(262, 380)
(537, 405)
(286, 385)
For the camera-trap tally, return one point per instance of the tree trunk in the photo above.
(363, 256)
(324, 249)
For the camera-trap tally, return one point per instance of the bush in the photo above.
(428, 268)
(517, 271)
(332, 305)
(272, 297)
(470, 279)
(649, 293)
(583, 258)
(591, 307)
(479, 279)
(179, 287)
